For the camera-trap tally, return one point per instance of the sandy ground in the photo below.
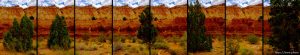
(92, 47)
(218, 47)
(43, 50)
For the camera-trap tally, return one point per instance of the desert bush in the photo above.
(197, 41)
(120, 39)
(123, 39)
(245, 51)
(160, 45)
(220, 38)
(134, 39)
(172, 52)
(59, 36)
(154, 52)
(252, 39)
(232, 47)
(86, 37)
(183, 42)
(124, 18)
(176, 39)
(117, 46)
(93, 18)
(31, 18)
(9, 41)
(284, 23)
(102, 38)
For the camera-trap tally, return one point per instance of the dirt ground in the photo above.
(218, 47)
(92, 47)
(43, 50)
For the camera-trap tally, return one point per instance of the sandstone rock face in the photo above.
(7, 15)
(46, 15)
(169, 21)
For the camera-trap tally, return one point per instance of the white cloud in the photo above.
(45, 3)
(266, 3)
(243, 3)
(8, 3)
(207, 3)
(168, 3)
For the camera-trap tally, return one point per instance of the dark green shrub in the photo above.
(12, 37)
(134, 39)
(117, 46)
(9, 41)
(102, 38)
(59, 36)
(197, 41)
(232, 47)
(93, 18)
(31, 18)
(124, 19)
(27, 33)
(284, 23)
(245, 51)
(160, 45)
(252, 39)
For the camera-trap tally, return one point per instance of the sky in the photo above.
(131, 3)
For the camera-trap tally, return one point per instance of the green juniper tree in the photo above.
(284, 24)
(19, 37)
(26, 33)
(59, 36)
(147, 32)
(197, 41)
(11, 37)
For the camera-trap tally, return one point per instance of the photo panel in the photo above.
(244, 27)
(281, 27)
(205, 27)
(126, 23)
(169, 18)
(18, 27)
(56, 27)
(93, 27)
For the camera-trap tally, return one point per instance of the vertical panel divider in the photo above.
(151, 35)
(263, 29)
(112, 26)
(74, 27)
(36, 29)
(187, 14)
(225, 28)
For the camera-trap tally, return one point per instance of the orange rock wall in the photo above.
(169, 21)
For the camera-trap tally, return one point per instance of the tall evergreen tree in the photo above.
(19, 37)
(147, 32)
(12, 37)
(284, 24)
(197, 41)
(59, 36)
(26, 32)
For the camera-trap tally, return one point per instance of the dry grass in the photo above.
(6, 52)
(43, 50)
(218, 47)
(92, 47)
